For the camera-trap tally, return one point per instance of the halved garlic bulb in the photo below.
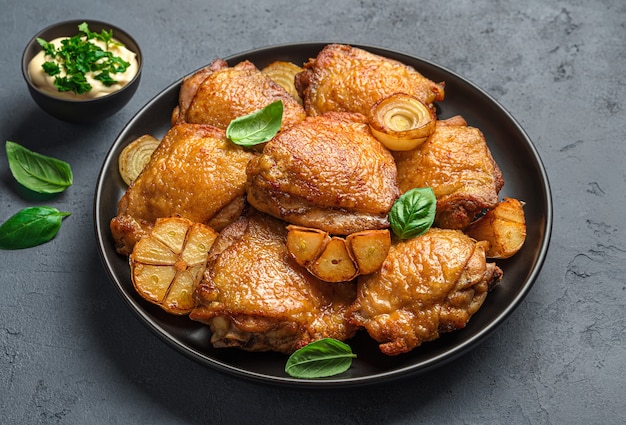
(402, 122)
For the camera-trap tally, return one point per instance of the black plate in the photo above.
(525, 179)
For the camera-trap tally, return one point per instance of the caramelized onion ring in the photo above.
(283, 73)
(402, 122)
(135, 156)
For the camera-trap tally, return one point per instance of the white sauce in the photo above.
(45, 82)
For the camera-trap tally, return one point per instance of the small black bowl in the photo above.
(89, 110)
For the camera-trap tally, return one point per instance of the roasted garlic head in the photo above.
(167, 265)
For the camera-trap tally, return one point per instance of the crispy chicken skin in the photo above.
(195, 173)
(255, 297)
(218, 94)
(457, 164)
(427, 285)
(345, 78)
(189, 88)
(326, 172)
(323, 170)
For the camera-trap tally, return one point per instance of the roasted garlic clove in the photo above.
(306, 244)
(504, 227)
(335, 259)
(369, 249)
(402, 122)
(335, 264)
(167, 264)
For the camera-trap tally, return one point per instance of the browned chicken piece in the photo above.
(427, 286)
(327, 172)
(457, 164)
(189, 87)
(195, 173)
(218, 94)
(345, 78)
(255, 297)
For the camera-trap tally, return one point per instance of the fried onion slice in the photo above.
(135, 156)
(283, 73)
(402, 122)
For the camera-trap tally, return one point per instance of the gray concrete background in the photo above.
(71, 352)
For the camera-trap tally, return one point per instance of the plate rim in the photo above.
(386, 376)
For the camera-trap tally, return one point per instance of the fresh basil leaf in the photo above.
(325, 357)
(257, 127)
(39, 173)
(30, 227)
(413, 213)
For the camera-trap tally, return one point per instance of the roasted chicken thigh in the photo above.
(346, 78)
(457, 164)
(218, 94)
(327, 172)
(254, 296)
(195, 173)
(427, 285)
(288, 242)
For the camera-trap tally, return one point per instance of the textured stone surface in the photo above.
(71, 352)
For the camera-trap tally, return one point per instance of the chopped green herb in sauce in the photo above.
(70, 62)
